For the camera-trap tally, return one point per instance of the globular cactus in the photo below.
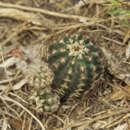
(76, 63)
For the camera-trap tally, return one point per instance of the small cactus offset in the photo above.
(46, 100)
(43, 77)
(77, 63)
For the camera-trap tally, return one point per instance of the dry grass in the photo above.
(39, 22)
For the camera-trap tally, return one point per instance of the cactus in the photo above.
(41, 78)
(46, 100)
(77, 63)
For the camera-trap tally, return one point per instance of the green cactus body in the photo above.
(46, 100)
(77, 63)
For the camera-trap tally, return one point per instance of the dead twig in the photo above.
(46, 12)
(27, 17)
(5, 98)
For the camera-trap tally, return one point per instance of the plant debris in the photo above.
(28, 28)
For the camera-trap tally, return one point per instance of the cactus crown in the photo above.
(76, 63)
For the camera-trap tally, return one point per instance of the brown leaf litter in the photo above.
(31, 24)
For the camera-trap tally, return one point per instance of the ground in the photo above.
(28, 24)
